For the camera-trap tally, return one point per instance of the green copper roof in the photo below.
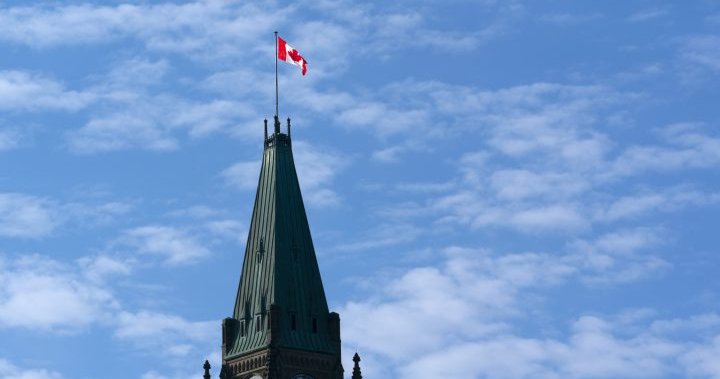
(280, 267)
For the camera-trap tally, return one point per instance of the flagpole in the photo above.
(277, 115)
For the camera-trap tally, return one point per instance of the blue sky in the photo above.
(496, 189)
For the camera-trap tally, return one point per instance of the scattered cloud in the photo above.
(26, 216)
(518, 121)
(317, 168)
(174, 245)
(618, 257)
(218, 30)
(667, 200)
(164, 333)
(458, 326)
(700, 359)
(134, 111)
(701, 52)
(153, 123)
(10, 371)
(559, 191)
(568, 18)
(243, 175)
(163, 27)
(383, 236)
(685, 146)
(99, 268)
(229, 229)
(156, 375)
(591, 351)
(648, 14)
(39, 293)
(25, 91)
(95, 214)
(9, 139)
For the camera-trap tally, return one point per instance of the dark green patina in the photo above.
(280, 279)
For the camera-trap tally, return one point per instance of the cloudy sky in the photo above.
(496, 189)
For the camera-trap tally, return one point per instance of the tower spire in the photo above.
(281, 314)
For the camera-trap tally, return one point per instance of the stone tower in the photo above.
(281, 327)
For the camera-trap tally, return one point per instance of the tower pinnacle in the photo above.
(356, 369)
(206, 366)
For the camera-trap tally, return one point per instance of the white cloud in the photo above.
(98, 269)
(196, 211)
(215, 30)
(701, 359)
(29, 216)
(551, 119)
(175, 246)
(25, 91)
(702, 52)
(9, 139)
(648, 14)
(26, 216)
(591, 351)
(212, 33)
(168, 334)
(39, 293)
(689, 148)
(633, 206)
(469, 296)
(10, 371)
(166, 26)
(618, 257)
(120, 132)
(135, 73)
(153, 122)
(203, 119)
(317, 168)
(94, 215)
(557, 190)
(190, 374)
(516, 184)
(693, 324)
(136, 110)
(233, 230)
(453, 321)
(243, 175)
(155, 375)
(568, 18)
(383, 236)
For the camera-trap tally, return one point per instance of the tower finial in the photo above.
(266, 129)
(356, 369)
(288, 120)
(206, 366)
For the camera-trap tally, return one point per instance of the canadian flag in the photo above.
(288, 54)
